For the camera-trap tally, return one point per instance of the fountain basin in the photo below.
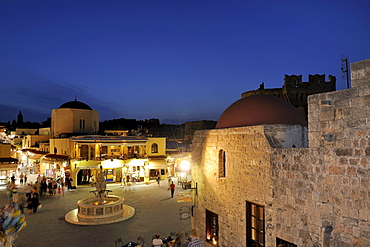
(90, 212)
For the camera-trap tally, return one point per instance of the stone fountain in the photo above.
(101, 209)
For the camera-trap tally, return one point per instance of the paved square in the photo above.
(155, 212)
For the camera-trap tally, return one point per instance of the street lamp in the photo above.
(184, 167)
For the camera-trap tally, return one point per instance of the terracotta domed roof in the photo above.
(75, 105)
(259, 110)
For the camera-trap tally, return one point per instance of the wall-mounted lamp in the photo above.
(195, 188)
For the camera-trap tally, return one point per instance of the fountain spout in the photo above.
(101, 186)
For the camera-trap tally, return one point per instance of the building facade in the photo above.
(74, 150)
(8, 164)
(258, 186)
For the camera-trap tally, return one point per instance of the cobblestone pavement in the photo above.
(156, 212)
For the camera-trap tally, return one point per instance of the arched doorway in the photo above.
(83, 176)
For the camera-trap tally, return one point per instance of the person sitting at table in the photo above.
(157, 242)
(195, 242)
(174, 243)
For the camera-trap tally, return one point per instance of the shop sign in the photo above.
(185, 212)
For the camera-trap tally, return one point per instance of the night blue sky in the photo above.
(173, 60)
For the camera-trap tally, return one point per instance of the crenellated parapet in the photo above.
(292, 79)
(295, 91)
(315, 82)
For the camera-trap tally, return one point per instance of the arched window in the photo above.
(221, 164)
(82, 124)
(154, 148)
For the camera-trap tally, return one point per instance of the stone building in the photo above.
(262, 183)
(74, 117)
(295, 91)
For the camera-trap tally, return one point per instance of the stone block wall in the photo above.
(248, 177)
(322, 195)
(360, 73)
(334, 117)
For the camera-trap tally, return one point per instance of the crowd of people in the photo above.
(175, 241)
(30, 194)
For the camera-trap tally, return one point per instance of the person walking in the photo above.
(172, 187)
(22, 201)
(29, 204)
(69, 185)
(59, 191)
(28, 190)
(92, 180)
(36, 188)
(158, 181)
(21, 177)
(62, 185)
(55, 186)
(12, 192)
(35, 203)
(50, 188)
(43, 187)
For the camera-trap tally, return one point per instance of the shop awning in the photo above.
(8, 160)
(157, 164)
(56, 157)
(160, 157)
(34, 154)
(33, 151)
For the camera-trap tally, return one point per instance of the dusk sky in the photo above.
(173, 60)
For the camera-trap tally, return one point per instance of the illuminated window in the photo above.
(255, 225)
(154, 148)
(212, 228)
(221, 164)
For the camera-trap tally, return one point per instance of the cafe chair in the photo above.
(141, 241)
(119, 242)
